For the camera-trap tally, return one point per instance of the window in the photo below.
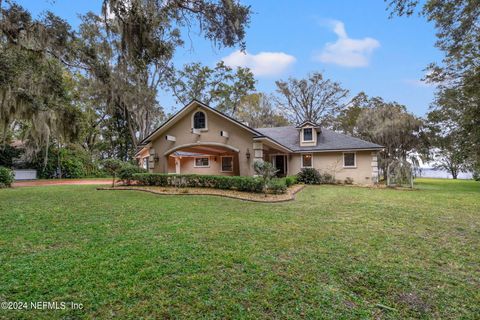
(202, 162)
(145, 163)
(227, 164)
(199, 120)
(307, 159)
(307, 134)
(349, 159)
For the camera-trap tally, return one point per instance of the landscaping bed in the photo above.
(242, 195)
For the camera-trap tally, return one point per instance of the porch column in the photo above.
(257, 155)
(257, 151)
(151, 160)
(374, 167)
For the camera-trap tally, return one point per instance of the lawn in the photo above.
(335, 252)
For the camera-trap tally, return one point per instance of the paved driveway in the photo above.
(57, 182)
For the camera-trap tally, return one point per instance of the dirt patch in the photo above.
(414, 302)
(247, 196)
(59, 182)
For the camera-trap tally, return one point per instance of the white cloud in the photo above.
(261, 64)
(347, 52)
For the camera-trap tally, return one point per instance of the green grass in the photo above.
(336, 252)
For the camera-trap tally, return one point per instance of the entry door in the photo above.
(280, 164)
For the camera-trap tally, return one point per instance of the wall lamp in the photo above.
(247, 154)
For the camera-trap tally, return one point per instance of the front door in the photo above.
(280, 164)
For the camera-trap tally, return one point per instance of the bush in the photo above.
(309, 176)
(6, 177)
(249, 184)
(290, 180)
(326, 178)
(277, 186)
(127, 171)
(266, 171)
(312, 176)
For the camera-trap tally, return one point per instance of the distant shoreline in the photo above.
(438, 173)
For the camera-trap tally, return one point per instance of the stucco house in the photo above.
(201, 140)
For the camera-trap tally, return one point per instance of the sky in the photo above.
(352, 42)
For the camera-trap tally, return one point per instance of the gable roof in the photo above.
(173, 119)
(327, 140)
(308, 122)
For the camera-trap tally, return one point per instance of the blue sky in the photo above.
(352, 42)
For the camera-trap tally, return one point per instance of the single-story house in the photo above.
(201, 140)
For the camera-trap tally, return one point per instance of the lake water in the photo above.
(434, 173)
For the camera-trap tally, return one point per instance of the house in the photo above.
(201, 140)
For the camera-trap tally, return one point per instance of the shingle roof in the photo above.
(326, 140)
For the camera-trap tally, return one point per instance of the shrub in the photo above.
(312, 176)
(249, 184)
(6, 177)
(290, 180)
(278, 186)
(266, 171)
(127, 171)
(113, 166)
(326, 178)
(309, 176)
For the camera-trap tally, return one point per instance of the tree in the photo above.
(129, 50)
(33, 78)
(346, 120)
(458, 76)
(258, 111)
(314, 99)
(113, 166)
(390, 125)
(446, 144)
(221, 87)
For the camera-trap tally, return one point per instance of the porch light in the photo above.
(247, 154)
(156, 158)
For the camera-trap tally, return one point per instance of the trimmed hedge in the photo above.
(127, 171)
(6, 177)
(249, 184)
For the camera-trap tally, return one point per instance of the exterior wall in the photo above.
(332, 163)
(215, 167)
(239, 138)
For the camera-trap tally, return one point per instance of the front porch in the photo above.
(208, 160)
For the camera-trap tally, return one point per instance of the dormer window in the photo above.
(199, 120)
(307, 134)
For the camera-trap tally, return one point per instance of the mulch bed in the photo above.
(247, 196)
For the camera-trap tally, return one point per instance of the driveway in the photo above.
(58, 182)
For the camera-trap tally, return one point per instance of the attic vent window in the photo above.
(199, 120)
(307, 134)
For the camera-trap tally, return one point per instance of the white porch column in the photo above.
(374, 167)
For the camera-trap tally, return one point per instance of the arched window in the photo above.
(199, 120)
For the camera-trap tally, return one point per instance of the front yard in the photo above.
(334, 252)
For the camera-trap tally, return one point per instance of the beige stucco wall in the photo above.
(239, 138)
(332, 163)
